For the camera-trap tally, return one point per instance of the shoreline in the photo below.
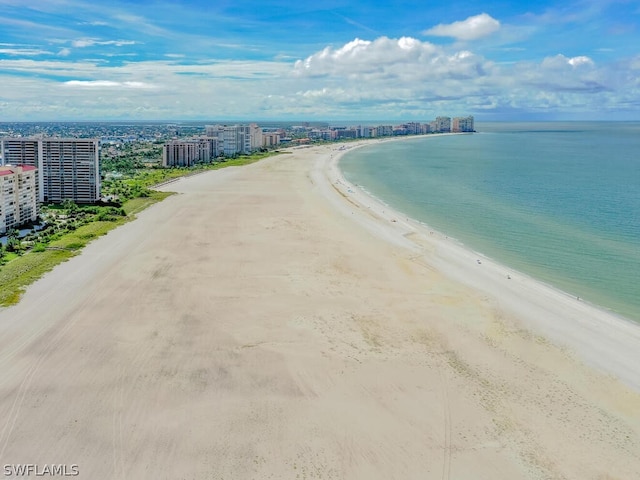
(459, 262)
(584, 292)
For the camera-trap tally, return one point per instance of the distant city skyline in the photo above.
(66, 60)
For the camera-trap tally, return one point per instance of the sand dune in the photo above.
(271, 321)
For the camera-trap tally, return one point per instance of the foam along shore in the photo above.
(272, 321)
(599, 338)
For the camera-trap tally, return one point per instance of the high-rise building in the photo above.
(68, 168)
(443, 124)
(236, 139)
(270, 139)
(185, 153)
(256, 137)
(22, 151)
(71, 169)
(463, 124)
(18, 199)
(384, 130)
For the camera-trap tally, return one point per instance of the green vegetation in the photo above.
(135, 205)
(129, 157)
(22, 271)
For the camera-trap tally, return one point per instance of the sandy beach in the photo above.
(273, 321)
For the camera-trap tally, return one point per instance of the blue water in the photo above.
(558, 201)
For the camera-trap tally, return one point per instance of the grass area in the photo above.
(16, 275)
(135, 205)
(79, 238)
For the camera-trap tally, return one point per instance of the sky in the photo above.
(100, 60)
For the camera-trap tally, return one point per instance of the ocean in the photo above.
(558, 201)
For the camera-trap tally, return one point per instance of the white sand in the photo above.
(262, 325)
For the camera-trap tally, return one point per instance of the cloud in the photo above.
(364, 78)
(470, 29)
(393, 76)
(579, 61)
(27, 52)
(89, 42)
(96, 23)
(64, 52)
(562, 63)
(386, 58)
(108, 84)
(364, 56)
(566, 74)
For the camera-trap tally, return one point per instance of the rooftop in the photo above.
(10, 169)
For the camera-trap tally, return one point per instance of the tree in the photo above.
(70, 206)
(13, 240)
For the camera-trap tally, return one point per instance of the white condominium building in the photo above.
(68, 168)
(18, 199)
(185, 153)
(236, 139)
(443, 124)
(270, 139)
(462, 124)
(256, 137)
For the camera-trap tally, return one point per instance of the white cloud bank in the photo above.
(409, 75)
(387, 58)
(383, 78)
(472, 28)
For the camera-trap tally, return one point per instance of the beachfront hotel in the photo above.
(67, 168)
(18, 199)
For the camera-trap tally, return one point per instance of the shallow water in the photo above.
(558, 201)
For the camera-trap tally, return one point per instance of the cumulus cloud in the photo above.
(392, 75)
(472, 28)
(387, 58)
(579, 61)
(565, 74)
(560, 62)
(409, 75)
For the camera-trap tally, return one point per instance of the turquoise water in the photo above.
(557, 201)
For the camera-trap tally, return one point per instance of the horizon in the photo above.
(295, 122)
(115, 61)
